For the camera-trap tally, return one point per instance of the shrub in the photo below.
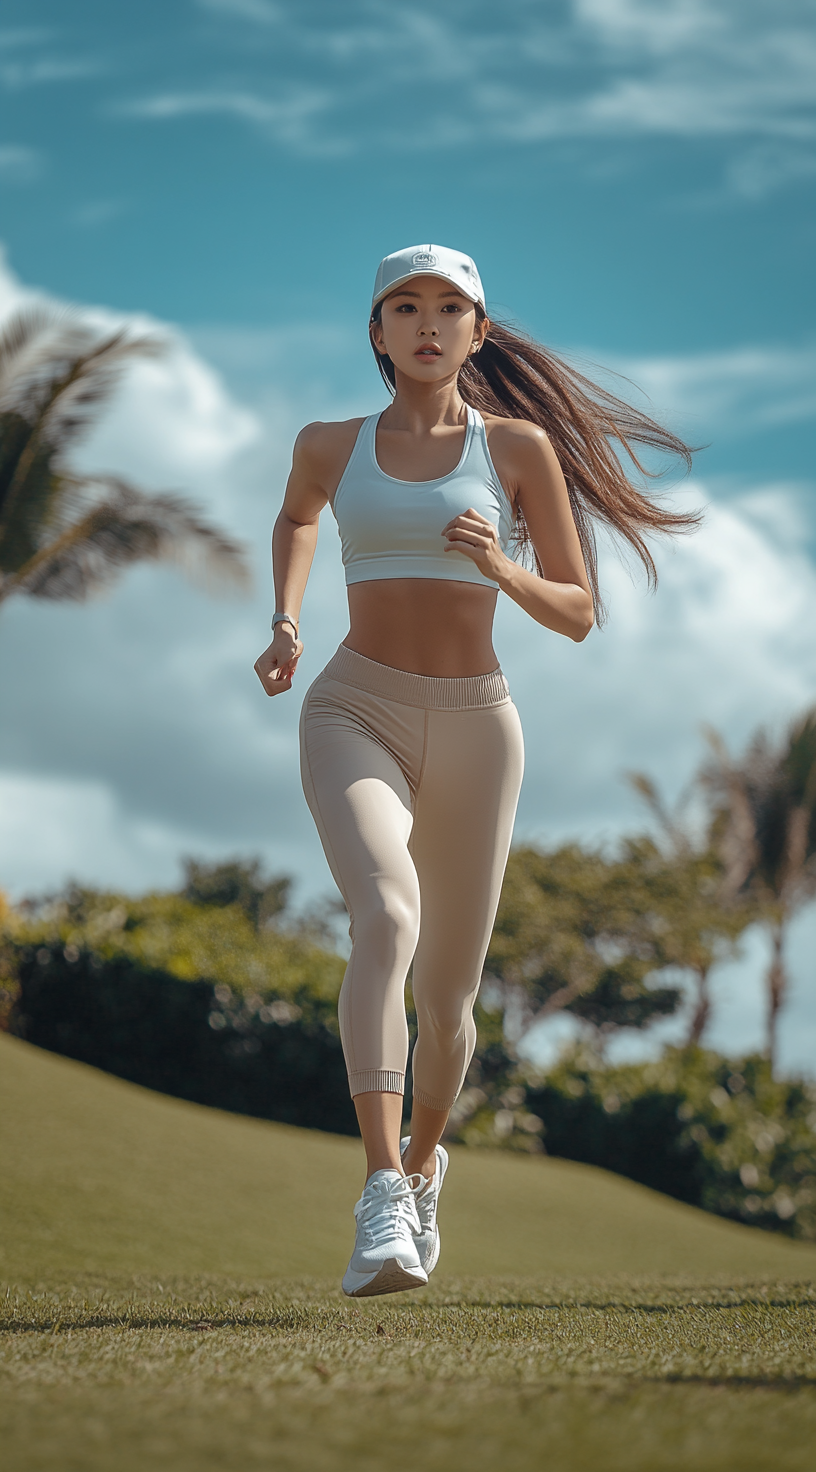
(263, 1054)
(184, 936)
(719, 1134)
(186, 996)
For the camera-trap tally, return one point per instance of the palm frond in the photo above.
(65, 536)
(22, 523)
(59, 373)
(22, 340)
(129, 526)
(765, 812)
(648, 790)
(734, 814)
(63, 369)
(764, 820)
(800, 759)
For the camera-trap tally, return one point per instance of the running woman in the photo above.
(411, 748)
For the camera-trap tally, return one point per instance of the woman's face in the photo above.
(428, 329)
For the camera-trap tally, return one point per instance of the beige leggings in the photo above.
(413, 784)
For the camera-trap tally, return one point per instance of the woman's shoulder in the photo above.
(514, 431)
(322, 443)
(520, 450)
(518, 442)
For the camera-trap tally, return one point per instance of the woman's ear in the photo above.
(480, 332)
(377, 340)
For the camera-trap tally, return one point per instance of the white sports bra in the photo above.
(391, 528)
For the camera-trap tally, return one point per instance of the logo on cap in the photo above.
(424, 258)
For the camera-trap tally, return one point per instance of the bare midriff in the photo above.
(424, 625)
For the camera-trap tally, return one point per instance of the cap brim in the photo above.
(411, 276)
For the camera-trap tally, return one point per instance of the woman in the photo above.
(411, 747)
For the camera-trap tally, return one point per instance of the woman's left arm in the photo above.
(560, 600)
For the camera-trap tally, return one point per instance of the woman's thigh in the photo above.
(360, 800)
(463, 824)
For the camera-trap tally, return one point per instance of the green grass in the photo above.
(173, 1305)
(100, 1175)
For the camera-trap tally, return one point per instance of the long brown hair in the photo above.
(516, 378)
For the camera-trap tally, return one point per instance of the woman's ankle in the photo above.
(383, 1162)
(426, 1168)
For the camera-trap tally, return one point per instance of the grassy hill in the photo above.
(102, 1176)
(174, 1306)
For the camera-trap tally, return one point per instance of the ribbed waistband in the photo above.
(430, 692)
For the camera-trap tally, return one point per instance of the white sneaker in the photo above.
(385, 1257)
(427, 1201)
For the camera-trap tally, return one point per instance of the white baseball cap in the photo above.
(428, 260)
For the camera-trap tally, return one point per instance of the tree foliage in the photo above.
(65, 535)
(763, 822)
(599, 936)
(705, 918)
(217, 939)
(237, 882)
(719, 1133)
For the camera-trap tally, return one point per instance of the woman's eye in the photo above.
(406, 307)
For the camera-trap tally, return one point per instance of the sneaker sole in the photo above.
(392, 1277)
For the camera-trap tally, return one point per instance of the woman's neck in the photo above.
(420, 408)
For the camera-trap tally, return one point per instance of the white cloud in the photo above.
(98, 212)
(13, 37)
(58, 828)
(288, 119)
(683, 69)
(48, 69)
(20, 164)
(657, 28)
(726, 641)
(737, 392)
(770, 166)
(740, 71)
(29, 57)
(260, 12)
(172, 422)
(195, 432)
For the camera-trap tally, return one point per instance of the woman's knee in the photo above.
(448, 1016)
(387, 928)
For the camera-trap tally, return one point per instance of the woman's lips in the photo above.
(428, 352)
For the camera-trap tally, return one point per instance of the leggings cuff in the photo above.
(377, 1080)
(444, 1105)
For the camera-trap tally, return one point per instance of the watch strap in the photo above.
(284, 618)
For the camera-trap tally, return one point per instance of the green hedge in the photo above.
(276, 1057)
(715, 1132)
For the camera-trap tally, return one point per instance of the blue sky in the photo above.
(632, 177)
(635, 180)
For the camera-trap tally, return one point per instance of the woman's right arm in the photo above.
(293, 546)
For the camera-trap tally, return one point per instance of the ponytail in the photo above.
(516, 378)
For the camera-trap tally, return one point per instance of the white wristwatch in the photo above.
(284, 618)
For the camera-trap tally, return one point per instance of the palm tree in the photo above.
(703, 923)
(764, 822)
(67, 535)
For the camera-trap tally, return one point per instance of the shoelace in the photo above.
(382, 1201)
(426, 1196)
